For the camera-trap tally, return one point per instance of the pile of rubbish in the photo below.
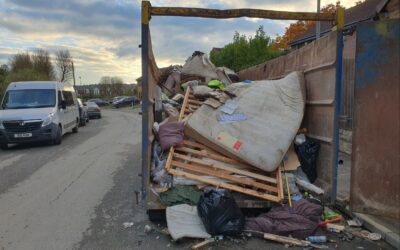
(220, 138)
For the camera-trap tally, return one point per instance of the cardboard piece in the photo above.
(212, 103)
(291, 160)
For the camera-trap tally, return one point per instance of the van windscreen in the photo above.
(29, 98)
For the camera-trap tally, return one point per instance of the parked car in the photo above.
(83, 113)
(117, 98)
(99, 102)
(126, 101)
(93, 109)
(37, 111)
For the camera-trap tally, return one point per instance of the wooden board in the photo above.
(190, 104)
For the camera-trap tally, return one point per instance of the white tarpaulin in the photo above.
(183, 221)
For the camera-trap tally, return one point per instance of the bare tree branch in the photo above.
(64, 65)
(42, 63)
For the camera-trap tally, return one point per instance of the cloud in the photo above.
(103, 35)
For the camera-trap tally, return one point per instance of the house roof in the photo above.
(88, 86)
(215, 49)
(359, 13)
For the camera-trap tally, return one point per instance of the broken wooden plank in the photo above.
(226, 185)
(229, 169)
(210, 155)
(211, 151)
(222, 175)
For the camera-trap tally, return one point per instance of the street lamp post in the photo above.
(318, 26)
(73, 72)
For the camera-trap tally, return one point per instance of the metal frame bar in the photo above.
(145, 98)
(235, 13)
(148, 11)
(338, 100)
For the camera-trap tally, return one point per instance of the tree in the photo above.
(111, 86)
(41, 63)
(26, 67)
(298, 28)
(111, 80)
(245, 52)
(25, 75)
(3, 74)
(294, 30)
(64, 65)
(21, 61)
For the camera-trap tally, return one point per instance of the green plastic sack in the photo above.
(216, 84)
(180, 195)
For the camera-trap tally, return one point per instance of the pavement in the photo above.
(78, 195)
(48, 194)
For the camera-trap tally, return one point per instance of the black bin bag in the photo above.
(307, 153)
(220, 213)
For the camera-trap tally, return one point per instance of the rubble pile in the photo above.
(219, 139)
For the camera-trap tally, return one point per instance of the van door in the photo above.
(62, 113)
(75, 109)
(69, 112)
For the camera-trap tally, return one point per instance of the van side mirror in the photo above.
(63, 104)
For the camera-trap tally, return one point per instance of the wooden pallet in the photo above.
(196, 161)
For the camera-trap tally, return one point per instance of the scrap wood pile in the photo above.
(221, 137)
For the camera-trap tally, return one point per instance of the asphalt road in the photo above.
(48, 194)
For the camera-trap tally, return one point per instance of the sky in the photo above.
(103, 35)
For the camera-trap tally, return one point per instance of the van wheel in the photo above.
(58, 139)
(4, 146)
(75, 130)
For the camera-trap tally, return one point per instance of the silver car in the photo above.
(93, 110)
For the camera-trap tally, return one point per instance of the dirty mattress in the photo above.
(273, 111)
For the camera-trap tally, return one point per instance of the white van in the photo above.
(37, 111)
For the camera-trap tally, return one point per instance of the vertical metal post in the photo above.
(145, 97)
(338, 99)
(73, 72)
(318, 26)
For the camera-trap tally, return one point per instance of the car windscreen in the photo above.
(29, 98)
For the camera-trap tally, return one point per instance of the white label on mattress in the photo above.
(229, 141)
